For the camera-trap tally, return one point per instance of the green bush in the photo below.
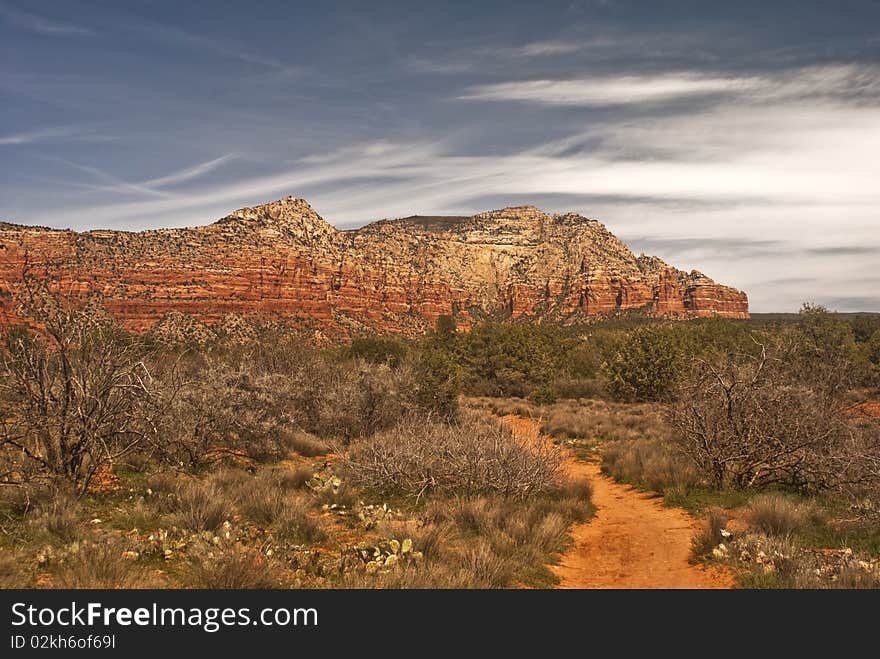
(647, 366)
(378, 350)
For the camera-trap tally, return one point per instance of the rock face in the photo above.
(283, 261)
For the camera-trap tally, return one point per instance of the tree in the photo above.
(73, 396)
(647, 365)
(754, 420)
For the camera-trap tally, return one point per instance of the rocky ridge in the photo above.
(282, 260)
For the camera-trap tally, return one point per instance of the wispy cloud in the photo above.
(107, 183)
(845, 81)
(423, 65)
(547, 48)
(41, 25)
(111, 183)
(55, 133)
(616, 90)
(189, 173)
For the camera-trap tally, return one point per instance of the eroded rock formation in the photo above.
(283, 261)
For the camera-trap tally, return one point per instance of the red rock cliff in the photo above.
(282, 260)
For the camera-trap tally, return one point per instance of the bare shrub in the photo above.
(777, 514)
(757, 420)
(216, 407)
(73, 398)
(475, 455)
(352, 398)
(100, 565)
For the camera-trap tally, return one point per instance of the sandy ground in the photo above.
(633, 541)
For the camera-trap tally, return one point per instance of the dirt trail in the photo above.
(633, 541)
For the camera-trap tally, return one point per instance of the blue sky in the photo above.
(741, 139)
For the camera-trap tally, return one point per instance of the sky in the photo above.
(741, 139)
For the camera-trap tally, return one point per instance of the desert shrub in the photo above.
(777, 514)
(100, 565)
(871, 351)
(163, 482)
(294, 523)
(432, 539)
(378, 350)
(438, 382)
(199, 507)
(543, 395)
(232, 481)
(234, 567)
(758, 419)
(573, 499)
(19, 500)
(504, 359)
(76, 396)
(578, 387)
(474, 455)
(141, 516)
(646, 365)
(352, 399)
(219, 408)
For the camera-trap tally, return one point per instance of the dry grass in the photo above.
(289, 478)
(200, 507)
(602, 420)
(295, 524)
(705, 541)
(649, 464)
(261, 502)
(60, 518)
(305, 444)
(100, 565)
(11, 573)
(235, 567)
(780, 515)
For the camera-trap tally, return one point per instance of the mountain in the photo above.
(282, 260)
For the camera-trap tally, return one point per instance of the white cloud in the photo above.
(30, 137)
(545, 48)
(647, 88)
(189, 173)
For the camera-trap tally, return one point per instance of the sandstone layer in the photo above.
(282, 261)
